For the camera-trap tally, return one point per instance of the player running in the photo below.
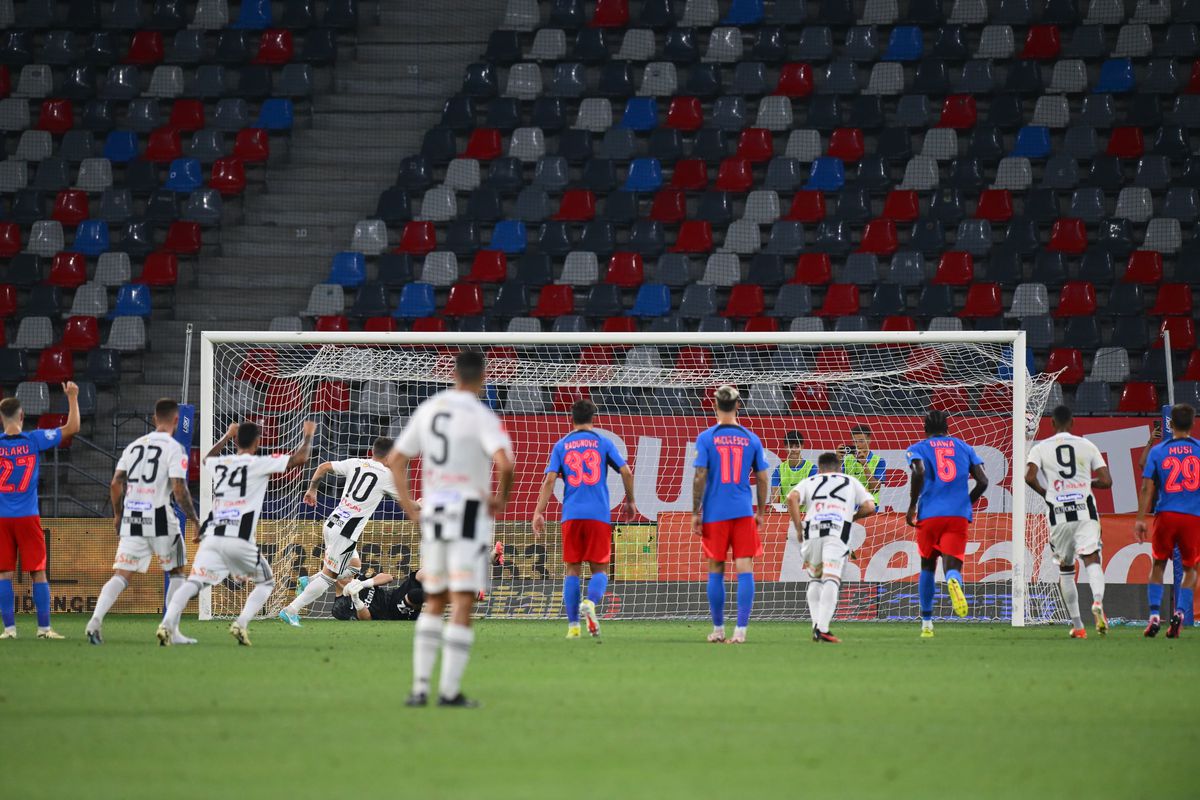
(368, 480)
(1173, 474)
(20, 523)
(940, 504)
(459, 439)
(724, 513)
(823, 508)
(151, 470)
(793, 468)
(1073, 467)
(227, 544)
(583, 458)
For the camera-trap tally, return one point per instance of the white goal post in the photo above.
(650, 389)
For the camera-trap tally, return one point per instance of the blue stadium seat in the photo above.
(121, 146)
(348, 269)
(253, 15)
(653, 300)
(1033, 141)
(91, 238)
(184, 175)
(645, 175)
(416, 301)
(133, 300)
(1116, 77)
(276, 114)
(509, 236)
(828, 175)
(744, 12)
(641, 114)
(906, 44)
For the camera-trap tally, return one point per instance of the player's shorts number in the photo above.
(947, 470)
(1183, 474)
(362, 483)
(586, 467)
(731, 463)
(7, 465)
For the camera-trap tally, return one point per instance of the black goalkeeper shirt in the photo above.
(400, 602)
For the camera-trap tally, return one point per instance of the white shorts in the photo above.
(456, 544)
(825, 557)
(134, 552)
(1068, 539)
(220, 557)
(339, 552)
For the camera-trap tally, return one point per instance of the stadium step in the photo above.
(268, 302)
(377, 54)
(399, 86)
(373, 120)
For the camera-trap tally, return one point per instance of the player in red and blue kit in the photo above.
(1173, 473)
(940, 503)
(20, 523)
(582, 459)
(724, 512)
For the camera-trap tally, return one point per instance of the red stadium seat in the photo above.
(81, 334)
(898, 323)
(1144, 267)
(252, 145)
(1070, 361)
(68, 270)
(593, 355)
(1042, 43)
(555, 301)
(1191, 372)
(163, 146)
(258, 364)
(1183, 333)
(1068, 236)
(275, 47)
(995, 205)
(610, 14)
(694, 359)
(5, 81)
(332, 324)
(846, 144)
(924, 366)
(331, 397)
(187, 115)
(955, 268)
(429, 325)
(1193, 86)
(815, 269)
(902, 205)
(695, 236)
(380, 325)
(690, 175)
(951, 399)
(841, 299)
(56, 364)
(8, 300)
(577, 205)
(745, 300)
(484, 145)
(228, 176)
(879, 237)
(56, 116)
(183, 238)
(418, 239)
(762, 324)
(685, 114)
(1138, 397)
(619, 325)
(755, 145)
(669, 206)
(283, 395)
(795, 80)
(625, 270)
(984, 300)
(1126, 142)
(807, 206)
(465, 300)
(1078, 299)
(958, 112)
(145, 48)
(160, 270)
(193, 465)
(833, 359)
(563, 397)
(10, 239)
(1173, 300)
(810, 398)
(735, 175)
(70, 207)
(489, 266)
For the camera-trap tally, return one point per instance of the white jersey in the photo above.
(149, 464)
(367, 481)
(456, 435)
(239, 487)
(1067, 463)
(830, 500)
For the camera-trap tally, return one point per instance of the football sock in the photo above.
(814, 599)
(1186, 601)
(1154, 592)
(317, 586)
(183, 595)
(745, 598)
(456, 652)
(108, 595)
(829, 598)
(597, 586)
(955, 575)
(571, 598)
(41, 602)
(1070, 593)
(254, 603)
(174, 582)
(1095, 577)
(716, 597)
(8, 604)
(925, 587)
(427, 639)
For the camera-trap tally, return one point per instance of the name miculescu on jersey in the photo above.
(726, 438)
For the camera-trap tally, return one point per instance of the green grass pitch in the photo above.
(649, 711)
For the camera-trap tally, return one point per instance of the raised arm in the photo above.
(310, 496)
(916, 482)
(505, 468)
(304, 449)
(544, 493)
(699, 480)
(116, 493)
(981, 482)
(72, 426)
(224, 440)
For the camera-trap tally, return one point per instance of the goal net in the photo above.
(862, 396)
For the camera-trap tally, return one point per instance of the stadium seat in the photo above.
(1138, 397)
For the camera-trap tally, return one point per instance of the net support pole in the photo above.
(1170, 368)
(207, 437)
(1019, 582)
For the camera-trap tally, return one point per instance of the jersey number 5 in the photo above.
(586, 467)
(947, 470)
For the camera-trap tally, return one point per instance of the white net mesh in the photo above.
(652, 402)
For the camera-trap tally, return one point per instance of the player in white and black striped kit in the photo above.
(151, 469)
(1073, 467)
(228, 547)
(367, 481)
(458, 439)
(823, 508)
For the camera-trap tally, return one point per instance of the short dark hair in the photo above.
(468, 364)
(861, 428)
(343, 609)
(10, 407)
(727, 398)
(793, 439)
(582, 411)
(828, 461)
(1183, 416)
(381, 446)
(165, 408)
(1062, 416)
(247, 435)
(936, 422)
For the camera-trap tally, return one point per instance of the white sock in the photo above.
(456, 652)
(254, 603)
(179, 600)
(926, 624)
(829, 598)
(108, 595)
(318, 585)
(427, 640)
(814, 600)
(1070, 593)
(1095, 577)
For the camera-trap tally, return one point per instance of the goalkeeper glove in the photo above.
(352, 588)
(357, 602)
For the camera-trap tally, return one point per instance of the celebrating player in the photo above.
(823, 509)
(793, 469)
(459, 439)
(1073, 467)
(1173, 474)
(940, 504)
(227, 544)
(582, 458)
(20, 522)
(151, 469)
(368, 480)
(724, 513)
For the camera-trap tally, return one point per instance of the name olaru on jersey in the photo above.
(149, 464)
